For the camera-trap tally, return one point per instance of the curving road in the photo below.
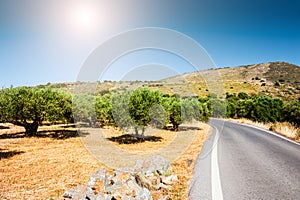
(244, 162)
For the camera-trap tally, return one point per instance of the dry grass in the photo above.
(44, 167)
(41, 168)
(283, 128)
(184, 166)
(286, 129)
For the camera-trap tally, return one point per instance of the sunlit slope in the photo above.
(276, 79)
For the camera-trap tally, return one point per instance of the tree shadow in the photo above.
(59, 134)
(188, 128)
(12, 135)
(8, 154)
(133, 139)
(4, 127)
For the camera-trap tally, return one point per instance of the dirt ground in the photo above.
(44, 167)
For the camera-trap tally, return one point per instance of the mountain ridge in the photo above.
(276, 79)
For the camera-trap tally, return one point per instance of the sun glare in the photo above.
(84, 18)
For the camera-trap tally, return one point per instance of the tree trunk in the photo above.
(136, 131)
(31, 129)
(143, 132)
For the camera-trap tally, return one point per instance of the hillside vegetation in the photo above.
(275, 79)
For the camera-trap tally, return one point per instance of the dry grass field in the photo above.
(44, 167)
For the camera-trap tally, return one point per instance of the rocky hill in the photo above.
(276, 79)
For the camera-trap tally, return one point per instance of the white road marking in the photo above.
(272, 133)
(216, 188)
(267, 131)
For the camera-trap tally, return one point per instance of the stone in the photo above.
(144, 195)
(103, 197)
(142, 181)
(162, 186)
(92, 181)
(89, 193)
(128, 183)
(97, 181)
(99, 186)
(169, 180)
(156, 164)
(79, 193)
(164, 197)
(101, 173)
(69, 194)
(121, 177)
(130, 188)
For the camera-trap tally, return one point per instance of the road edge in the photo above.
(262, 129)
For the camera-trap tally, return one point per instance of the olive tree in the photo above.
(120, 109)
(172, 107)
(103, 107)
(141, 101)
(84, 108)
(29, 107)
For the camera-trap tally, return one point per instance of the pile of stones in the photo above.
(153, 174)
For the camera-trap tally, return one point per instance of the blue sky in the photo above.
(45, 41)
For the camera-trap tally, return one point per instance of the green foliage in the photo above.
(120, 110)
(243, 95)
(292, 112)
(262, 108)
(204, 111)
(231, 108)
(29, 107)
(266, 109)
(158, 116)
(141, 100)
(218, 107)
(103, 108)
(173, 109)
(143, 107)
(84, 108)
(193, 109)
(244, 108)
(190, 110)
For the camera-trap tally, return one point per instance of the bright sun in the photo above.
(84, 18)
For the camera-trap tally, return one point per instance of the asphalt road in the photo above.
(243, 162)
